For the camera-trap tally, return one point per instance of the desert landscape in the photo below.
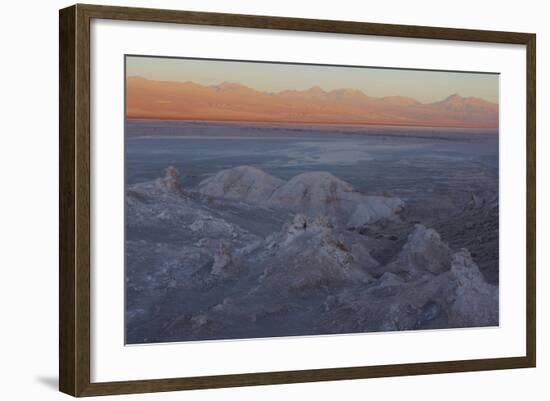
(255, 214)
(229, 101)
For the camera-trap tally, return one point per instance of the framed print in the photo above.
(250, 200)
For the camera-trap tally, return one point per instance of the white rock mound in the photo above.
(245, 183)
(424, 252)
(308, 253)
(224, 265)
(313, 193)
(322, 194)
(171, 181)
(475, 300)
(458, 297)
(317, 192)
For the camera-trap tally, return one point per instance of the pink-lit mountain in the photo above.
(235, 102)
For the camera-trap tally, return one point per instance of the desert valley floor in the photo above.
(246, 231)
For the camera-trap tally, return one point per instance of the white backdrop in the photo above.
(28, 212)
(111, 361)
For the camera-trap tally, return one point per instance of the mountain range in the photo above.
(228, 101)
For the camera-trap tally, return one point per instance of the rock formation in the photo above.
(312, 193)
(246, 254)
(171, 180)
(424, 252)
(245, 183)
(309, 253)
(223, 265)
(475, 301)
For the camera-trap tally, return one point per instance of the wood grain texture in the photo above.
(82, 188)
(301, 24)
(67, 293)
(74, 199)
(302, 376)
(530, 262)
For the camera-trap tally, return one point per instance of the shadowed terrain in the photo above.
(217, 249)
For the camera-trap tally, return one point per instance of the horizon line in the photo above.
(320, 124)
(326, 91)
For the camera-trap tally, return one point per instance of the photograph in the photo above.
(271, 199)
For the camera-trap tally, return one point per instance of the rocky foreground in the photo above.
(246, 254)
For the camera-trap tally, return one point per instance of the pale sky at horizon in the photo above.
(425, 86)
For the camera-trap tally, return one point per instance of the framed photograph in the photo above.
(250, 200)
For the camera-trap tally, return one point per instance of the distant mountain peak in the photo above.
(315, 90)
(228, 86)
(231, 101)
(348, 92)
(453, 97)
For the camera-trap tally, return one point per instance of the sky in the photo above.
(423, 85)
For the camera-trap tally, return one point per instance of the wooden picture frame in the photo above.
(74, 199)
